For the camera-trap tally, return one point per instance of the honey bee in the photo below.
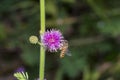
(64, 49)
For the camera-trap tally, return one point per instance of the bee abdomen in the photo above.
(62, 54)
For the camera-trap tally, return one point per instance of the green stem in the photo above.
(42, 50)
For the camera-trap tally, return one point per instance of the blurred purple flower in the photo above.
(39, 79)
(20, 69)
(52, 40)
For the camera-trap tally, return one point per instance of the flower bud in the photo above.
(33, 39)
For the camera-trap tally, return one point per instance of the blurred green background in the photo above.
(92, 28)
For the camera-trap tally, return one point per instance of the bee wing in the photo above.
(68, 53)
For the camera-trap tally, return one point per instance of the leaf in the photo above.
(69, 1)
(2, 32)
(51, 8)
(111, 28)
(30, 55)
(74, 64)
(21, 75)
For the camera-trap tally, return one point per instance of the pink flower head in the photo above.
(52, 40)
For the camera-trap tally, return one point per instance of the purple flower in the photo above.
(52, 40)
(20, 69)
(39, 79)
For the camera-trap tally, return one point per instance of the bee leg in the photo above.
(61, 48)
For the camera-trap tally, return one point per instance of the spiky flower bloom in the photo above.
(52, 40)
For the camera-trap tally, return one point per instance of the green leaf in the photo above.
(51, 8)
(2, 32)
(30, 55)
(21, 75)
(74, 64)
(111, 28)
(69, 1)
